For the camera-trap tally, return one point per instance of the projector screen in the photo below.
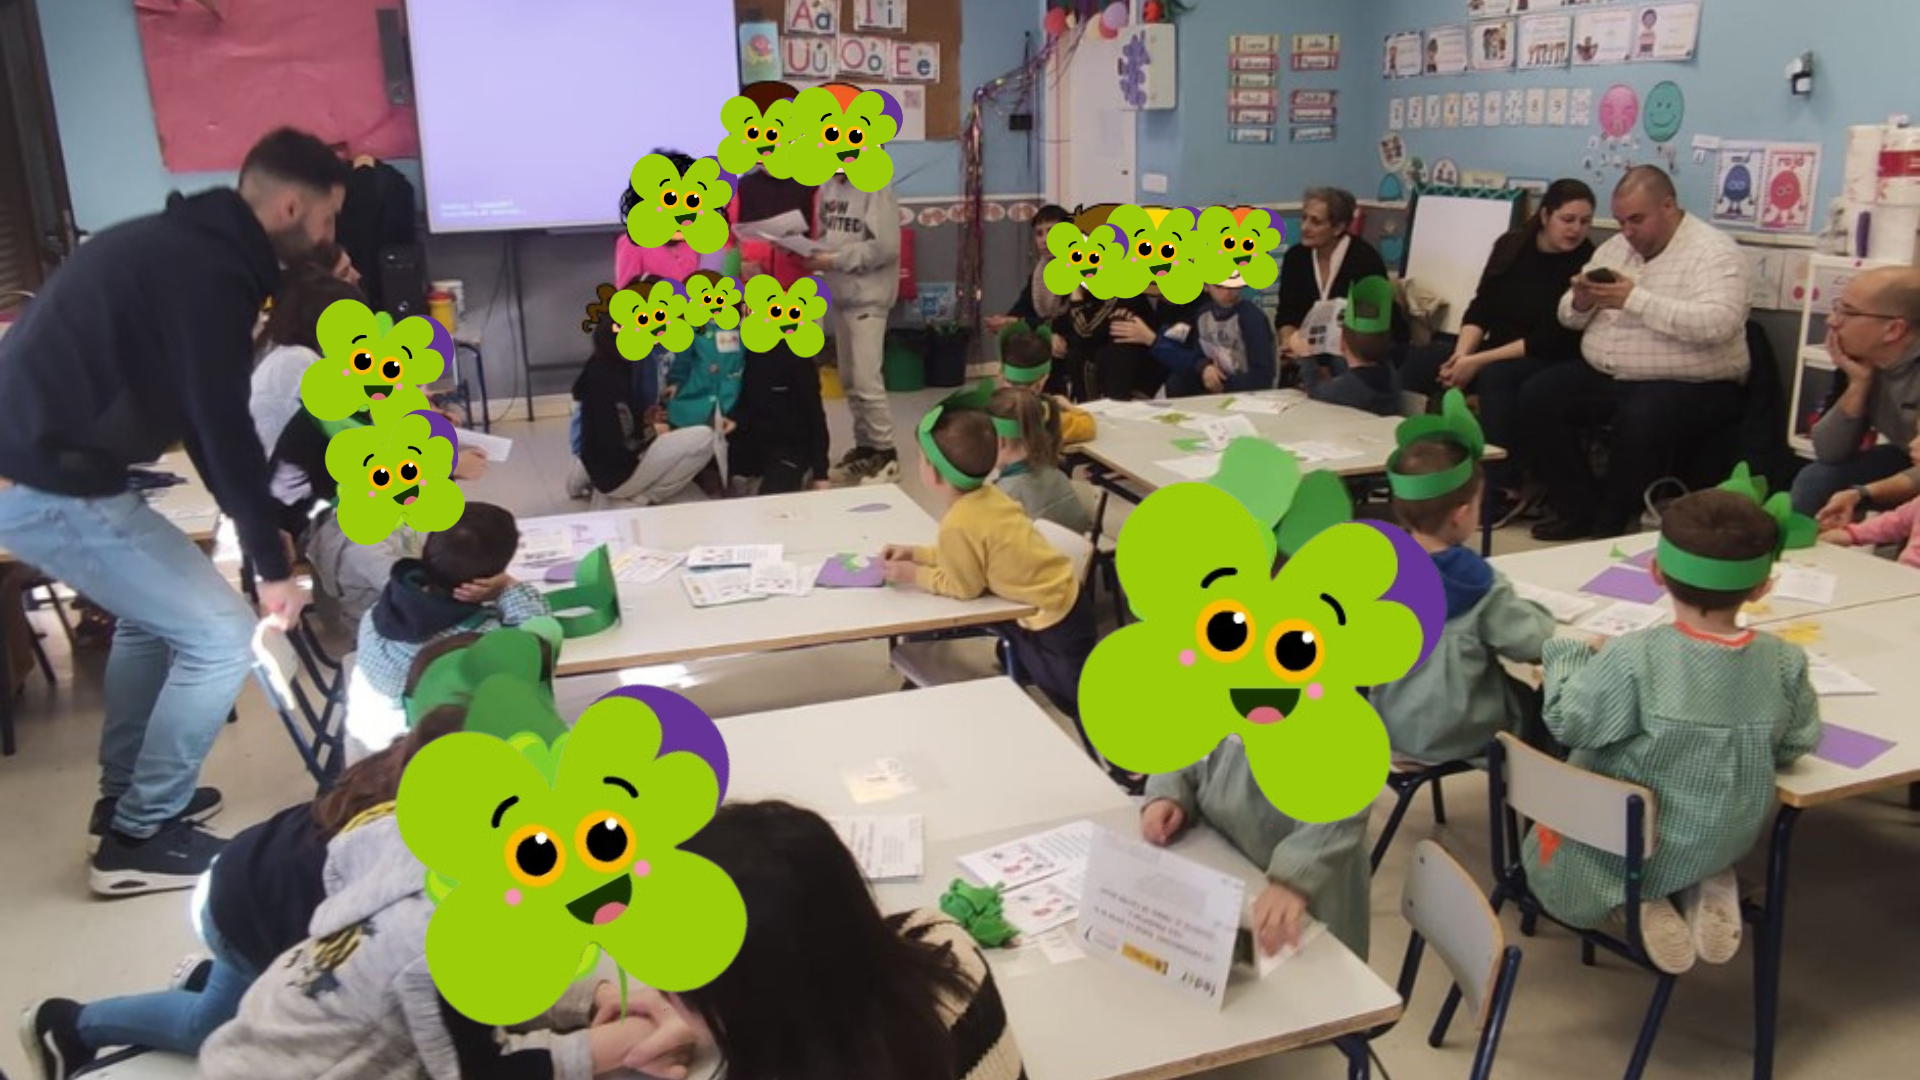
(532, 112)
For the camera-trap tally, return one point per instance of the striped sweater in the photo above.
(983, 1046)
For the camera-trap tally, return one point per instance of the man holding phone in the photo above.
(1664, 309)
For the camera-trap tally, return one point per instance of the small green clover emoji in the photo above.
(1237, 241)
(1095, 262)
(711, 299)
(547, 865)
(392, 473)
(774, 313)
(674, 207)
(656, 319)
(366, 358)
(1162, 244)
(1226, 648)
(838, 127)
(753, 137)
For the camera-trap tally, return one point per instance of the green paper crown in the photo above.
(456, 679)
(1457, 424)
(1268, 482)
(1370, 306)
(595, 590)
(1733, 575)
(971, 397)
(1796, 530)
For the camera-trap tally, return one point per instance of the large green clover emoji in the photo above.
(1224, 648)
(544, 867)
(673, 206)
(833, 128)
(366, 358)
(1162, 243)
(753, 137)
(658, 318)
(774, 313)
(711, 299)
(390, 473)
(1095, 262)
(1237, 241)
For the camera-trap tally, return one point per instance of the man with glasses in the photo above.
(1873, 336)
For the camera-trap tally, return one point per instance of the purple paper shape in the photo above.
(867, 508)
(1642, 560)
(1625, 583)
(1848, 748)
(561, 573)
(683, 726)
(1416, 587)
(836, 574)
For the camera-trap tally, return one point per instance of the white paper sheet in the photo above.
(644, 566)
(494, 446)
(1161, 916)
(791, 223)
(1193, 467)
(1045, 904)
(800, 245)
(1623, 617)
(1806, 584)
(716, 587)
(887, 847)
(1317, 450)
(1564, 607)
(1831, 680)
(886, 778)
(711, 556)
(1221, 430)
(1264, 965)
(775, 579)
(1268, 406)
(1032, 858)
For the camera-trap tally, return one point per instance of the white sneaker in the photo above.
(864, 465)
(1712, 911)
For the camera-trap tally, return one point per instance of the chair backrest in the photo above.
(1445, 906)
(1573, 802)
(304, 707)
(1077, 548)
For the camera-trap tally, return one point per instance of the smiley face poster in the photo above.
(1786, 197)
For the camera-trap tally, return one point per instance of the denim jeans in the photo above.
(180, 653)
(1818, 482)
(177, 1021)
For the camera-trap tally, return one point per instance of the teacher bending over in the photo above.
(141, 340)
(1316, 275)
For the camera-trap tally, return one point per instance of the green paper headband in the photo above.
(1731, 575)
(973, 397)
(595, 590)
(456, 678)
(1008, 427)
(1026, 376)
(1370, 306)
(1456, 424)
(1268, 482)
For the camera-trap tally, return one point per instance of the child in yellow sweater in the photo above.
(987, 544)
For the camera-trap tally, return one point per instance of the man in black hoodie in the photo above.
(141, 340)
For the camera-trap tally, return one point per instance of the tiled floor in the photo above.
(1852, 944)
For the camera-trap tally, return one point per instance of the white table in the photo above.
(660, 625)
(991, 766)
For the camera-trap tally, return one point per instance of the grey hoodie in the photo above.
(356, 1002)
(863, 230)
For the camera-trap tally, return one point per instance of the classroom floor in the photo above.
(1848, 998)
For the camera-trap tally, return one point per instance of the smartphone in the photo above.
(1602, 276)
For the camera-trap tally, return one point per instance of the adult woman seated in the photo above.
(1511, 332)
(1316, 275)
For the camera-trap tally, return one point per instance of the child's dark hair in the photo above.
(479, 545)
(1424, 457)
(376, 779)
(967, 438)
(1051, 214)
(1370, 348)
(1038, 424)
(1023, 348)
(1716, 524)
(872, 1007)
(305, 293)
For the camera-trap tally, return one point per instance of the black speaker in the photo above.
(395, 62)
(403, 280)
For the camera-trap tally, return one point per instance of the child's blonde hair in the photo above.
(1039, 429)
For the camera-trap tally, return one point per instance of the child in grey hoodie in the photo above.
(861, 269)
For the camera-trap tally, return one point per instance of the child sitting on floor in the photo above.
(1227, 348)
(627, 454)
(988, 545)
(1370, 381)
(707, 376)
(1703, 713)
(1029, 462)
(1026, 363)
(1449, 707)
(780, 443)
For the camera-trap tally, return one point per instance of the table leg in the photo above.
(6, 689)
(1767, 950)
(1359, 1067)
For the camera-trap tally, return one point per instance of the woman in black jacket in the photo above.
(1321, 268)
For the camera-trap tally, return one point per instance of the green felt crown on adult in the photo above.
(1456, 424)
(970, 397)
(1733, 575)
(1370, 306)
(1267, 481)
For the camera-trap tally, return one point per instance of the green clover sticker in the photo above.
(676, 207)
(831, 128)
(1161, 244)
(774, 313)
(1225, 648)
(660, 318)
(753, 137)
(712, 300)
(391, 473)
(366, 358)
(1237, 241)
(544, 867)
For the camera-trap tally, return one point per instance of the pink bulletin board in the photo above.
(220, 80)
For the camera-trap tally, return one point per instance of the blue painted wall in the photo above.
(113, 153)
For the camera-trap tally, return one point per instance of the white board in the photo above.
(1447, 248)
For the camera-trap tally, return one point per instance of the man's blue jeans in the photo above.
(180, 653)
(1817, 482)
(177, 1021)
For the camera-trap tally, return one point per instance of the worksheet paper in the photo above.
(888, 848)
(1221, 430)
(1805, 584)
(1623, 617)
(1045, 904)
(775, 579)
(561, 538)
(1831, 680)
(1315, 450)
(1032, 858)
(1161, 916)
(644, 566)
(716, 587)
(1564, 607)
(1269, 406)
(791, 223)
(494, 446)
(710, 557)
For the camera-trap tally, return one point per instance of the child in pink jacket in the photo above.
(1900, 525)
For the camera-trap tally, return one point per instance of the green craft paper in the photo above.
(1188, 445)
(593, 589)
(455, 678)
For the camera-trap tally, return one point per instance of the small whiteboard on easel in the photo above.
(1450, 234)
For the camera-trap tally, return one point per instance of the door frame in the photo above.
(52, 208)
(1057, 106)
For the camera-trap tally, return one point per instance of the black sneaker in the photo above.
(50, 1032)
(173, 858)
(865, 465)
(202, 807)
